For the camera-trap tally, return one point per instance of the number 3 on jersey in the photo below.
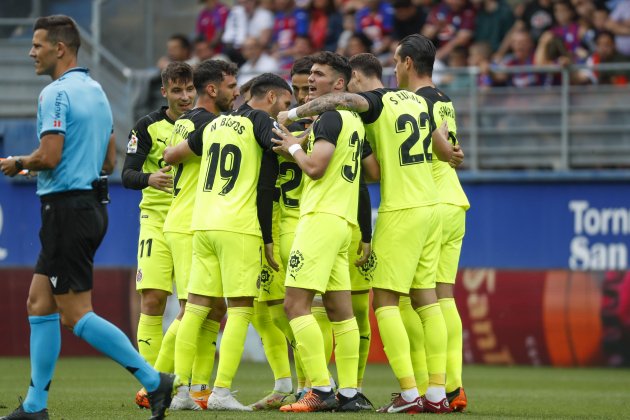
(228, 161)
(350, 172)
(406, 157)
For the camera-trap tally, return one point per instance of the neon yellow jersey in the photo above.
(291, 184)
(448, 185)
(148, 138)
(186, 173)
(230, 167)
(399, 126)
(337, 192)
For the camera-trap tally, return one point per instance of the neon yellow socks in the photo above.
(206, 350)
(187, 337)
(232, 344)
(396, 345)
(346, 351)
(310, 345)
(361, 309)
(454, 346)
(149, 337)
(273, 340)
(166, 359)
(319, 312)
(415, 332)
(281, 321)
(435, 341)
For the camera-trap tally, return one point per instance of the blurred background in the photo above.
(541, 93)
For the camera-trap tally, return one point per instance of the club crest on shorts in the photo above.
(265, 279)
(367, 269)
(296, 262)
(139, 275)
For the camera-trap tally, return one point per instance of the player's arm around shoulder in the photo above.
(328, 102)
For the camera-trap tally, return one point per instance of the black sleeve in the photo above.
(364, 215)
(263, 126)
(195, 140)
(266, 192)
(366, 150)
(375, 99)
(138, 149)
(328, 127)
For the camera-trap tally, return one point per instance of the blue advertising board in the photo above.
(517, 225)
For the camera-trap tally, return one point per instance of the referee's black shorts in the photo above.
(73, 226)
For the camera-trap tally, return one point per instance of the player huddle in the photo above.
(239, 208)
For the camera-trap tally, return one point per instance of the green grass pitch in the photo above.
(96, 388)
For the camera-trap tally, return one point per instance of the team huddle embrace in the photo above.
(263, 213)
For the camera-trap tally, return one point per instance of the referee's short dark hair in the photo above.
(302, 66)
(367, 64)
(266, 82)
(177, 72)
(339, 63)
(422, 52)
(212, 71)
(61, 28)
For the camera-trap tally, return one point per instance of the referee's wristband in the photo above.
(294, 148)
(292, 115)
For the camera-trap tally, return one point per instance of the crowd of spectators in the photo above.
(491, 35)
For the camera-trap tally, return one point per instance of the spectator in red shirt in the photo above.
(451, 23)
(289, 22)
(211, 23)
(326, 25)
(375, 20)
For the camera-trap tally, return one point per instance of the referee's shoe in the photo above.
(20, 414)
(160, 399)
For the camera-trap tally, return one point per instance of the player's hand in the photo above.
(457, 157)
(285, 140)
(283, 117)
(270, 258)
(364, 251)
(162, 180)
(8, 167)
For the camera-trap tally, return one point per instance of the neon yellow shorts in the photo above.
(319, 255)
(359, 276)
(180, 245)
(453, 230)
(155, 262)
(406, 245)
(225, 264)
(270, 282)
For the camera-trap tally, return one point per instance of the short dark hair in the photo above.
(422, 52)
(183, 40)
(605, 33)
(178, 72)
(367, 64)
(212, 71)
(247, 86)
(61, 28)
(302, 66)
(363, 39)
(338, 62)
(266, 82)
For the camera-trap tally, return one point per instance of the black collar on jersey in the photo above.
(81, 69)
(165, 114)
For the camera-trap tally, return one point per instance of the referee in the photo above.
(74, 122)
